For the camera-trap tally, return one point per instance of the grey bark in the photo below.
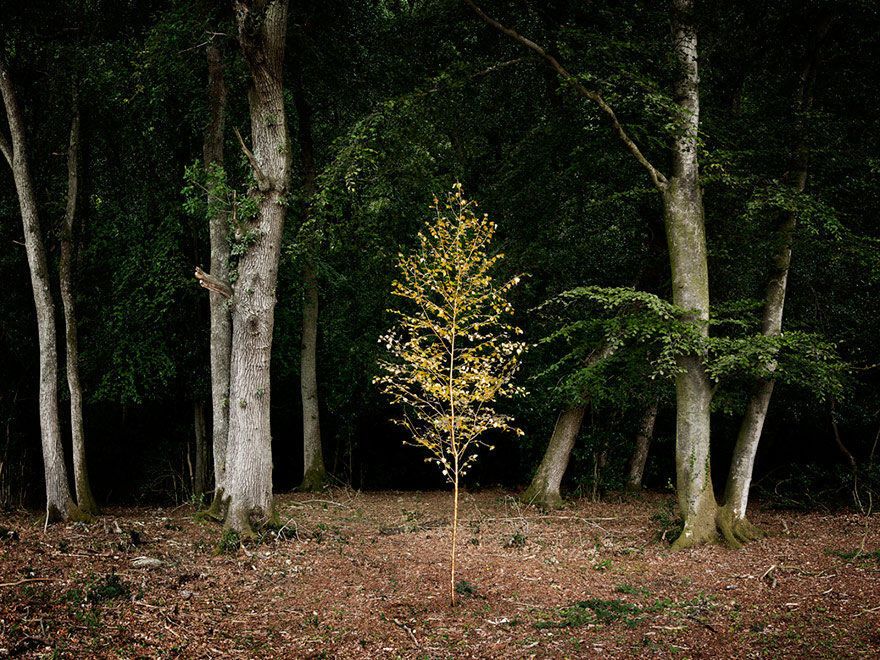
(84, 498)
(544, 489)
(200, 473)
(686, 236)
(59, 504)
(643, 444)
(221, 321)
(262, 27)
(314, 472)
(733, 520)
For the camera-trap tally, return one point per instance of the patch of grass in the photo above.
(465, 588)
(631, 590)
(106, 588)
(229, 542)
(595, 610)
(603, 565)
(518, 540)
(598, 611)
(856, 555)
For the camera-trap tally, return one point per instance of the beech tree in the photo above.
(686, 238)
(732, 516)
(247, 478)
(453, 349)
(59, 503)
(84, 498)
(314, 473)
(221, 322)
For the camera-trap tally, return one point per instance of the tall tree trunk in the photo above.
(686, 236)
(732, 519)
(262, 26)
(221, 321)
(200, 473)
(84, 498)
(544, 489)
(643, 444)
(314, 473)
(59, 504)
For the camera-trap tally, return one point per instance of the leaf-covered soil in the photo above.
(365, 575)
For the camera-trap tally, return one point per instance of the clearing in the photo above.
(365, 575)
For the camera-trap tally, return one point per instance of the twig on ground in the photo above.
(26, 580)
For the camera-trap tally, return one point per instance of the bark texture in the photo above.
(59, 504)
(221, 320)
(544, 489)
(314, 472)
(686, 236)
(84, 498)
(732, 518)
(640, 453)
(200, 472)
(262, 27)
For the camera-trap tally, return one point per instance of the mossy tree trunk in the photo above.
(544, 489)
(314, 472)
(262, 27)
(221, 320)
(639, 457)
(732, 518)
(686, 237)
(84, 498)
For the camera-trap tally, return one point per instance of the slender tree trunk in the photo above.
(262, 26)
(59, 504)
(544, 489)
(84, 498)
(200, 473)
(732, 519)
(643, 444)
(314, 472)
(686, 236)
(221, 321)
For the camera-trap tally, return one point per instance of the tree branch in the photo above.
(212, 283)
(657, 177)
(262, 181)
(6, 149)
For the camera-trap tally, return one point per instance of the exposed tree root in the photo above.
(736, 531)
(544, 498)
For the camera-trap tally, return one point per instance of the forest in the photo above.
(439, 328)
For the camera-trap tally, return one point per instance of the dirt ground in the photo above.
(365, 575)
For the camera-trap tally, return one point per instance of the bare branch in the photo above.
(262, 180)
(657, 177)
(212, 283)
(6, 149)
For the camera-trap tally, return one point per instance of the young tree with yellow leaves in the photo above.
(453, 349)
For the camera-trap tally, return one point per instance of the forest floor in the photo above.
(365, 575)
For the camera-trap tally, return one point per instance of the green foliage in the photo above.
(635, 325)
(229, 543)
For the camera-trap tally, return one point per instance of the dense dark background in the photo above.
(408, 98)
